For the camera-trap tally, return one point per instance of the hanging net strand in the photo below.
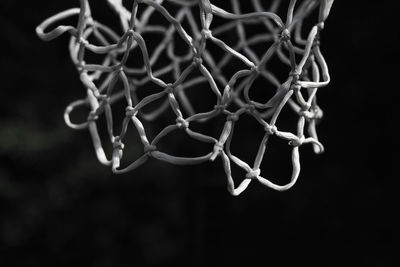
(114, 80)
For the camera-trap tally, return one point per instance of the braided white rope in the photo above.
(308, 73)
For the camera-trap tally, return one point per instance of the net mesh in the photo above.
(291, 42)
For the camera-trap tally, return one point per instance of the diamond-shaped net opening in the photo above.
(251, 58)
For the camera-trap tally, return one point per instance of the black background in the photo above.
(60, 207)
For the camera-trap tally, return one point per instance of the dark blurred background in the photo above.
(60, 207)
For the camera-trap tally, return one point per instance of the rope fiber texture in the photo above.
(191, 21)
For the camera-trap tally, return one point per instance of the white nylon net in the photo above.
(191, 22)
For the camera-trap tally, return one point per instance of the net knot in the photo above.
(307, 114)
(220, 107)
(206, 33)
(270, 129)
(83, 41)
(295, 76)
(169, 88)
(130, 33)
(285, 35)
(253, 174)
(130, 111)
(297, 142)
(250, 107)
(149, 148)
(197, 60)
(182, 123)
(92, 116)
(255, 69)
(315, 113)
(318, 113)
(118, 144)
